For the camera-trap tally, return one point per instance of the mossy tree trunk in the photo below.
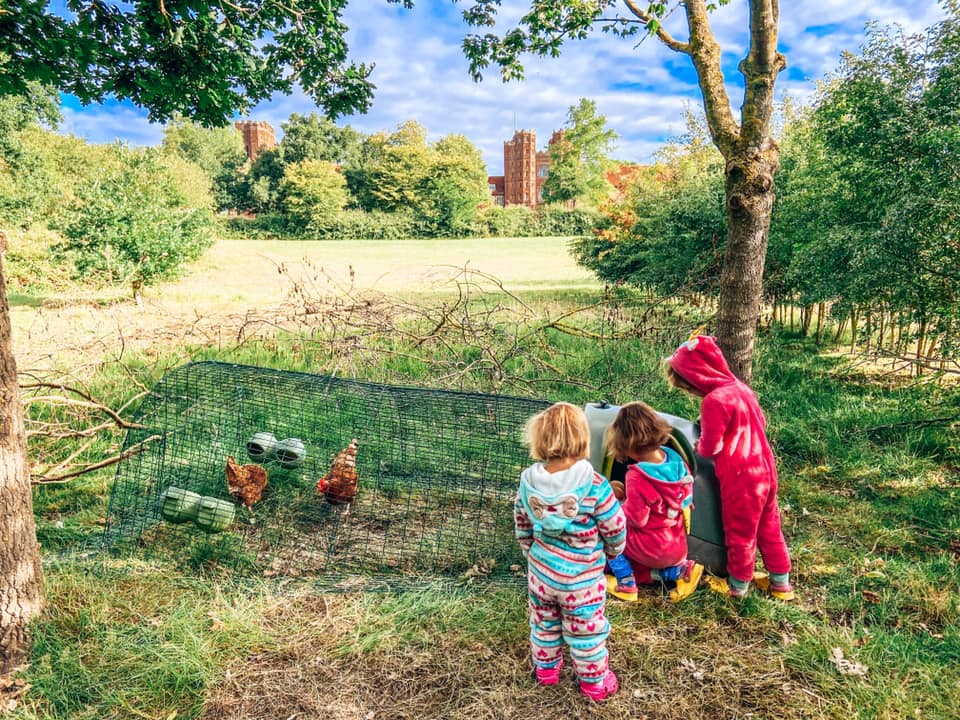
(749, 190)
(20, 574)
(752, 160)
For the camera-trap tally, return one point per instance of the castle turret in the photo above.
(257, 136)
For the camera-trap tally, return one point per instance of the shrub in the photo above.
(131, 221)
(312, 193)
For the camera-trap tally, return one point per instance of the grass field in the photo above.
(870, 491)
(238, 276)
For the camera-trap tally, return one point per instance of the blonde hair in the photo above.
(636, 430)
(560, 431)
(678, 381)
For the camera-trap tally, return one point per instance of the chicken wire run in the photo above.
(438, 472)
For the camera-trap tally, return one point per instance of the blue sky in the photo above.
(642, 90)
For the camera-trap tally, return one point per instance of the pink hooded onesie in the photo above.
(733, 435)
(656, 495)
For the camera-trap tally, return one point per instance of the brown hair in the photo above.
(560, 431)
(636, 430)
(678, 381)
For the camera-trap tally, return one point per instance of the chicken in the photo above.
(245, 482)
(339, 485)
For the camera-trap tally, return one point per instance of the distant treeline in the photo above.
(111, 214)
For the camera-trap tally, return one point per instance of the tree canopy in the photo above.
(750, 153)
(205, 60)
(578, 159)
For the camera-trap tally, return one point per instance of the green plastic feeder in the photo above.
(261, 446)
(214, 515)
(178, 505)
(291, 452)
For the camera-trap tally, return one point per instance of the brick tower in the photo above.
(520, 169)
(257, 137)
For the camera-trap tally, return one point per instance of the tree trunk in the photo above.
(20, 574)
(854, 316)
(821, 309)
(749, 191)
(841, 326)
(752, 159)
(806, 317)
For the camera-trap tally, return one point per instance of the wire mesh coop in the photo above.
(437, 471)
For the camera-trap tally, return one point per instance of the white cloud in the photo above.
(421, 74)
(100, 124)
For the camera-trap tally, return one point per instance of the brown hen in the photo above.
(339, 485)
(245, 482)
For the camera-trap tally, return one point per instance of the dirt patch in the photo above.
(665, 672)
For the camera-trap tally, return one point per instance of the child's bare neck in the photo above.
(655, 455)
(559, 464)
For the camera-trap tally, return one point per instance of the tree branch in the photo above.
(141, 446)
(661, 33)
(760, 70)
(705, 52)
(88, 402)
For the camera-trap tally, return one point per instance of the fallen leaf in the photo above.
(847, 667)
(691, 667)
(870, 597)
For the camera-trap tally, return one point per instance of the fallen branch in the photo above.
(141, 447)
(921, 423)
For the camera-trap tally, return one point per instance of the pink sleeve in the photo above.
(635, 505)
(713, 424)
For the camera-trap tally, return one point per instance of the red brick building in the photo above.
(524, 171)
(257, 136)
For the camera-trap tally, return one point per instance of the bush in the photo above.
(131, 221)
(28, 268)
(519, 221)
(513, 221)
(313, 193)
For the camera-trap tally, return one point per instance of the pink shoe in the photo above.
(602, 690)
(549, 675)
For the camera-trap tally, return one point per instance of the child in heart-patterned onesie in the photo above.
(568, 523)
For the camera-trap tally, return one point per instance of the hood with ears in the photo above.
(700, 362)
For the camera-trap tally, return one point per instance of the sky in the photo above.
(642, 89)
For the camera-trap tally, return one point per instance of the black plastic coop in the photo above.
(438, 474)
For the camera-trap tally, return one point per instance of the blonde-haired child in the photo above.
(567, 522)
(658, 490)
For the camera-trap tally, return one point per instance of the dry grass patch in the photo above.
(680, 667)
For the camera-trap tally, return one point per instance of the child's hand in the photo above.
(619, 490)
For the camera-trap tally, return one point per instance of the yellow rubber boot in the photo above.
(718, 585)
(620, 594)
(688, 583)
(762, 581)
(721, 586)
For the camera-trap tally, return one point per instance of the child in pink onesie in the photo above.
(733, 435)
(658, 489)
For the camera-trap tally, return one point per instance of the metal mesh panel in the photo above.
(438, 474)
